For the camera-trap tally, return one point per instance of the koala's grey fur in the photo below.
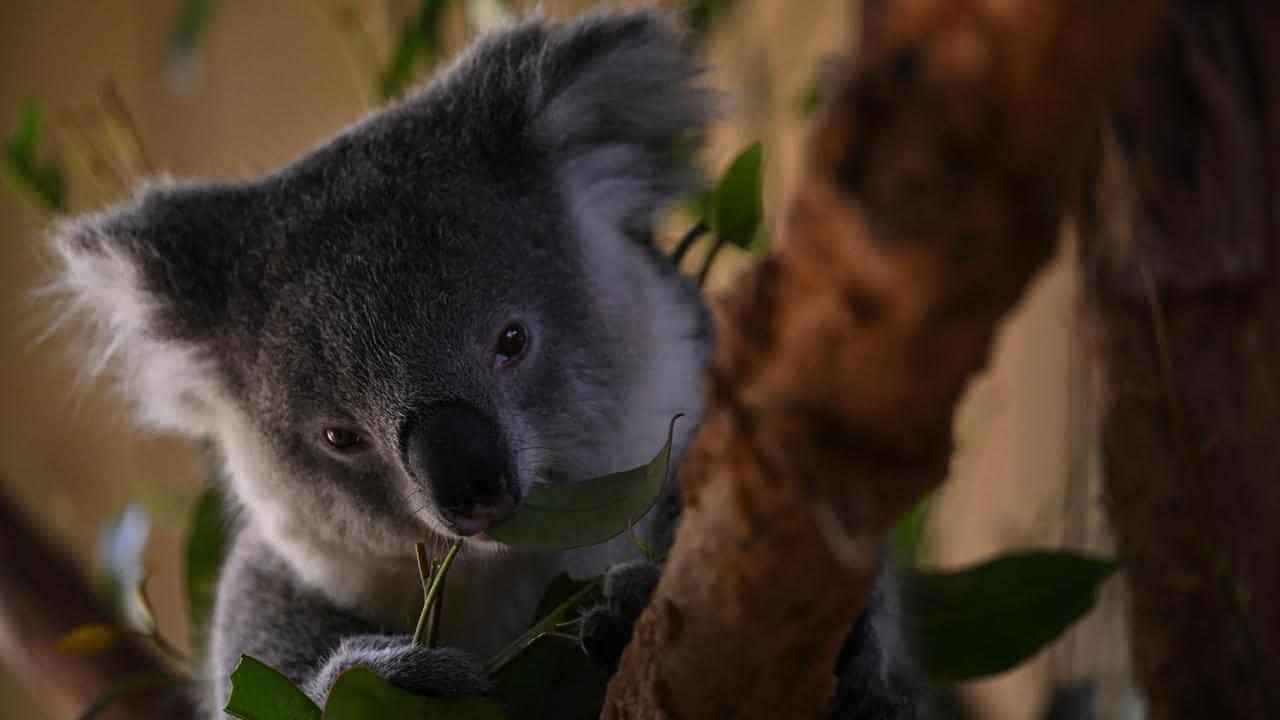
(368, 280)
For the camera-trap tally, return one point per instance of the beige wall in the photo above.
(273, 85)
(279, 78)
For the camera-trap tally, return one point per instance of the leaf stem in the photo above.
(546, 626)
(686, 242)
(432, 584)
(709, 261)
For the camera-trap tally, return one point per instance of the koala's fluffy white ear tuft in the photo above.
(111, 278)
(619, 103)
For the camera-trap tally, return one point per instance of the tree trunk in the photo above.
(1182, 250)
(42, 597)
(938, 178)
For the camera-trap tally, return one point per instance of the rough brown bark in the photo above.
(42, 597)
(938, 179)
(1183, 251)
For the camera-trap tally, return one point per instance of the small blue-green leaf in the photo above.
(121, 545)
(588, 512)
(737, 207)
(488, 15)
(259, 692)
(42, 180)
(989, 618)
(206, 549)
(186, 43)
(359, 694)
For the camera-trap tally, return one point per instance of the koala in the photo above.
(395, 337)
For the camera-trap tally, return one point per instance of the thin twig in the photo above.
(431, 587)
(711, 258)
(546, 626)
(686, 242)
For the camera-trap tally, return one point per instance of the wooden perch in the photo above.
(42, 597)
(938, 178)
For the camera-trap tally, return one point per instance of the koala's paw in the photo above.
(440, 672)
(606, 628)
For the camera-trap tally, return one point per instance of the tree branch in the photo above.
(938, 180)
(1182, 249)
(42, 597)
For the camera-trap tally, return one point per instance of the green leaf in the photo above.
(989, 618)
(259, 692)
(419, 40)
(551, 621)
(206, 549)
(589, 512)
(43, 181)
(907, 534)
(359, 694)
(737, 207)
(552, 678)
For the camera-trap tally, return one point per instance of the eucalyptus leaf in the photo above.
(129, 686)
(989, 618)
(192, 25)
(186, 41)
(359, 694)
(259, 692)
(737, 207)
(588, 512)
(908, 533)
(206, 549)
(419, 40)
(43, 180)
(552, 678)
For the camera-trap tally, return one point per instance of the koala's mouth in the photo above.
(474, 519)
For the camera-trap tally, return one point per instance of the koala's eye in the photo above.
(511, 342)
(343, 440)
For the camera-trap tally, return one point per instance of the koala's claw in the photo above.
(605, 629)
(440, 672)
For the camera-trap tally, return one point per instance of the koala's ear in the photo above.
(619, 104)
(152, 279)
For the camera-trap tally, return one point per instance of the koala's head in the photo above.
(450, 301)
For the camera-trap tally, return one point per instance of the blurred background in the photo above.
(232, 88)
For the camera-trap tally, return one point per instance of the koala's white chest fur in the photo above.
(490, 594)
(489, 598)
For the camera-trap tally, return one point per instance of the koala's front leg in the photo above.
(606, 628)
(442, 672)
(264, 611)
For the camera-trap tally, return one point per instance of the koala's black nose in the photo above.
(460, 456)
